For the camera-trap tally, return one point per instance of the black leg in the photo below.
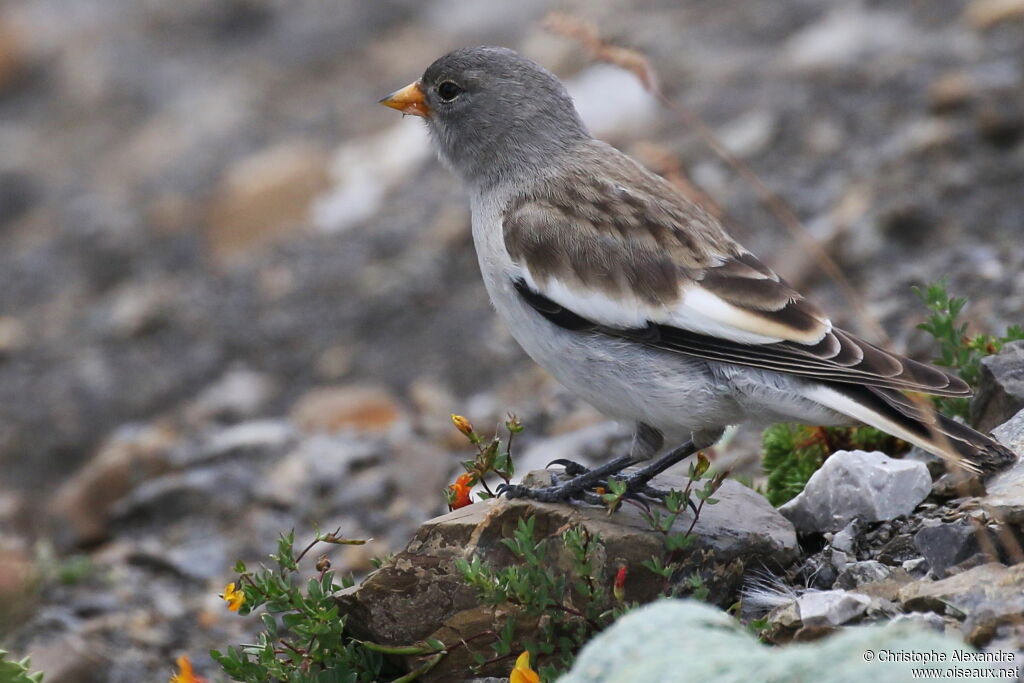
(637, 481)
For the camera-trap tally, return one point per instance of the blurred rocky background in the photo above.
(238, 297)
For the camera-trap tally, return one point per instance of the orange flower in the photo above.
(233, 596)
(459, 495)
(522, 673)
(185, 674)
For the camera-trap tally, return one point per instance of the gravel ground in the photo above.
(197, 192)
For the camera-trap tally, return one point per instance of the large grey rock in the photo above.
(830, 608)
(1000, 392)
(871, 487)
(682, 640)
(420, 594)
(1005, 498)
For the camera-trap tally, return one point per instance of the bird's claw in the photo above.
(570, 467)
(513, 490)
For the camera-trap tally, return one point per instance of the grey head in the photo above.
(493, 114)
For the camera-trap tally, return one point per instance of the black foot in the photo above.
(570, 489)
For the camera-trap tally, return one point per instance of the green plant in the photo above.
(567, 608)
(676, 543)
(956, 348)
(305, 639)
(17, 672)
(564, 610)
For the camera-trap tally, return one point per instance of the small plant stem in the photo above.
(486, 487)
(422, 670)
(402, 650)
(309, 547)
(696, 516)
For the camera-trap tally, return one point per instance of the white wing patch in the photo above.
(697, 310)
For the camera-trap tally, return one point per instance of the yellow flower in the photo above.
(522, 673)
(462, 424)
(185, 674)
(234, 597)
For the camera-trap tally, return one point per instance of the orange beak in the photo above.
(408, 100)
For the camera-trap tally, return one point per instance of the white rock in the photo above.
(870, 487)
(749, 134)
(1005, 499)
(847, 34)
(253, 435)
(831, 608)
(239, 393)
(364, 171)
(629, 109)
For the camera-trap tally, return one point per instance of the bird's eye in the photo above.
(448, 91)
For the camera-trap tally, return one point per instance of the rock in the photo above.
(420, 590)
(945, 545)
(132, 455)
(364, 171)
(951, 91)
(898, 550)
(1000, 393)
(1004, 499)
(988, 596)
(245, 438)
(265, 197)
(857, 573)
(14, 55)
(917, 567)
(928, 620)
(845, 540)
(359, 408)
(18, 579)
(70, 658)
(830, 608)
(240, 393)
(1000, 122)
(633, 105)
(749, 134)
(936, 465)
(659, 641)
(845, 35)
(958, 483)
(987, 13)
(13, 336)
(136, 310)
(887, 589)
(313, 464)
(870, 487)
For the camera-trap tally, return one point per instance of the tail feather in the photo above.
(915, 421)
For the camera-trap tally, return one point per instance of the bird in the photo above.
(636, 298)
